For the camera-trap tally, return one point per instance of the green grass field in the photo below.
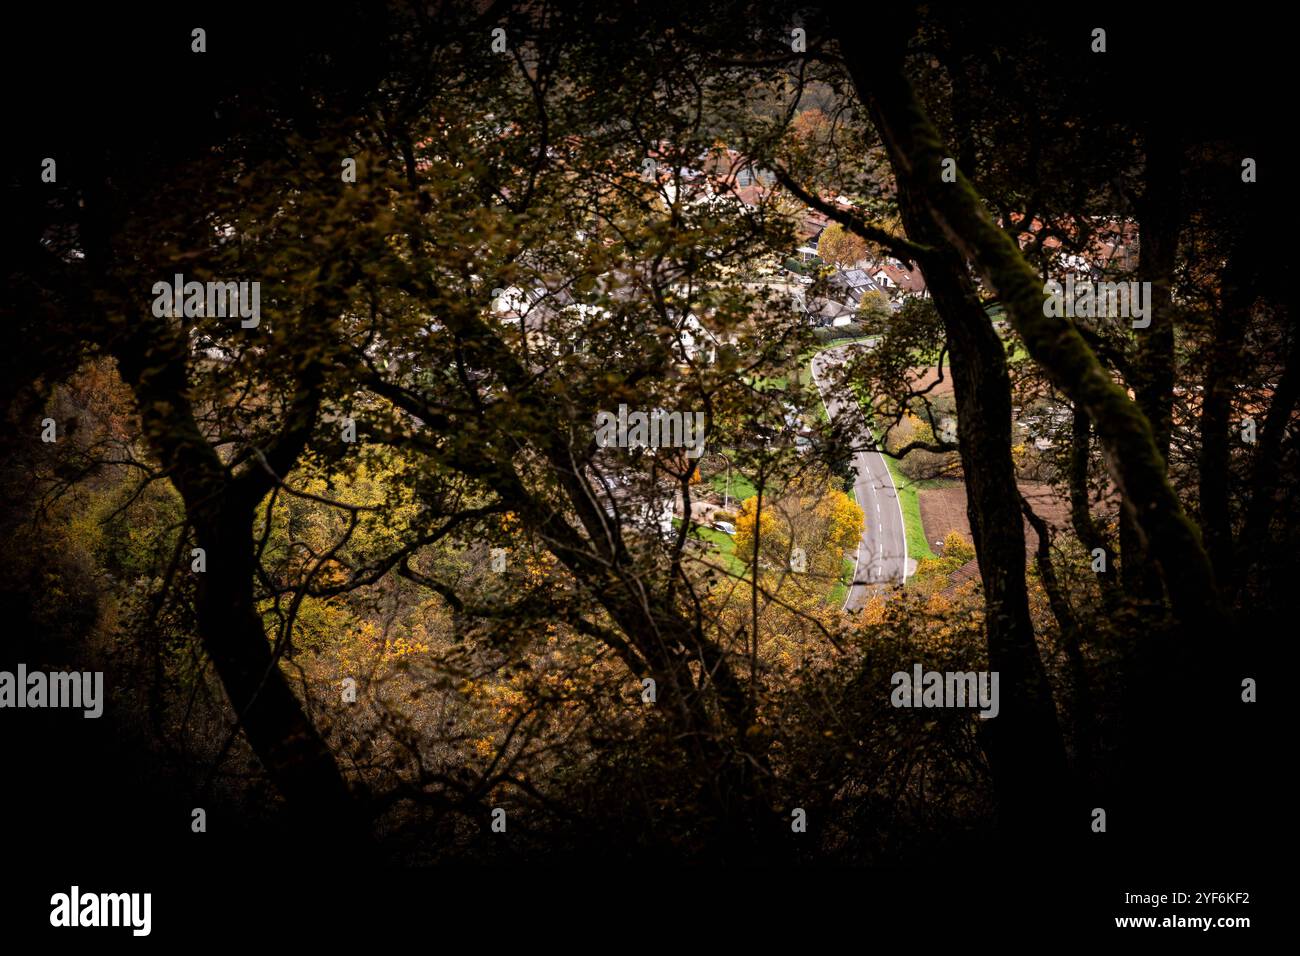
(917, 545)
(741, 487)
(840, 591)
(722, 543)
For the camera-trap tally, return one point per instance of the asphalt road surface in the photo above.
(882, 551)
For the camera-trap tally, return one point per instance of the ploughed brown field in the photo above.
(923, 378)
(944, 509)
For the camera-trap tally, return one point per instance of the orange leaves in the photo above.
(839, 246)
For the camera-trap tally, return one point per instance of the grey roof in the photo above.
(855, 280)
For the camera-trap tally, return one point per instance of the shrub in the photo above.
(830, 333)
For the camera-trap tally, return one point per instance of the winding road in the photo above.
(882, 550)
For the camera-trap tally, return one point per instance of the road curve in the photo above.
(882, 550)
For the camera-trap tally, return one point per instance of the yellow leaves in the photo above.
(403, 647)
(844, 517)
(820, 519)
(873, 612)
(957, 548)
(538, 567)
(746, 519)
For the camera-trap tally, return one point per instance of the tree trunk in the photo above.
(1265, 492)
(1080, 504)
(1153, 370)
(286, 742)
(1071, 640)
(1024, 742)
(1222, 369)
(220, 508)
(1163, 753)
(1125, 434)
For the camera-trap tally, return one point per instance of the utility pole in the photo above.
(726, 493)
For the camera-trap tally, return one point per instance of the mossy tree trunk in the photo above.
(1126, 436)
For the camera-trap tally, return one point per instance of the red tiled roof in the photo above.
(969, 571)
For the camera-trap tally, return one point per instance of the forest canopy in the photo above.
(310, 438)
